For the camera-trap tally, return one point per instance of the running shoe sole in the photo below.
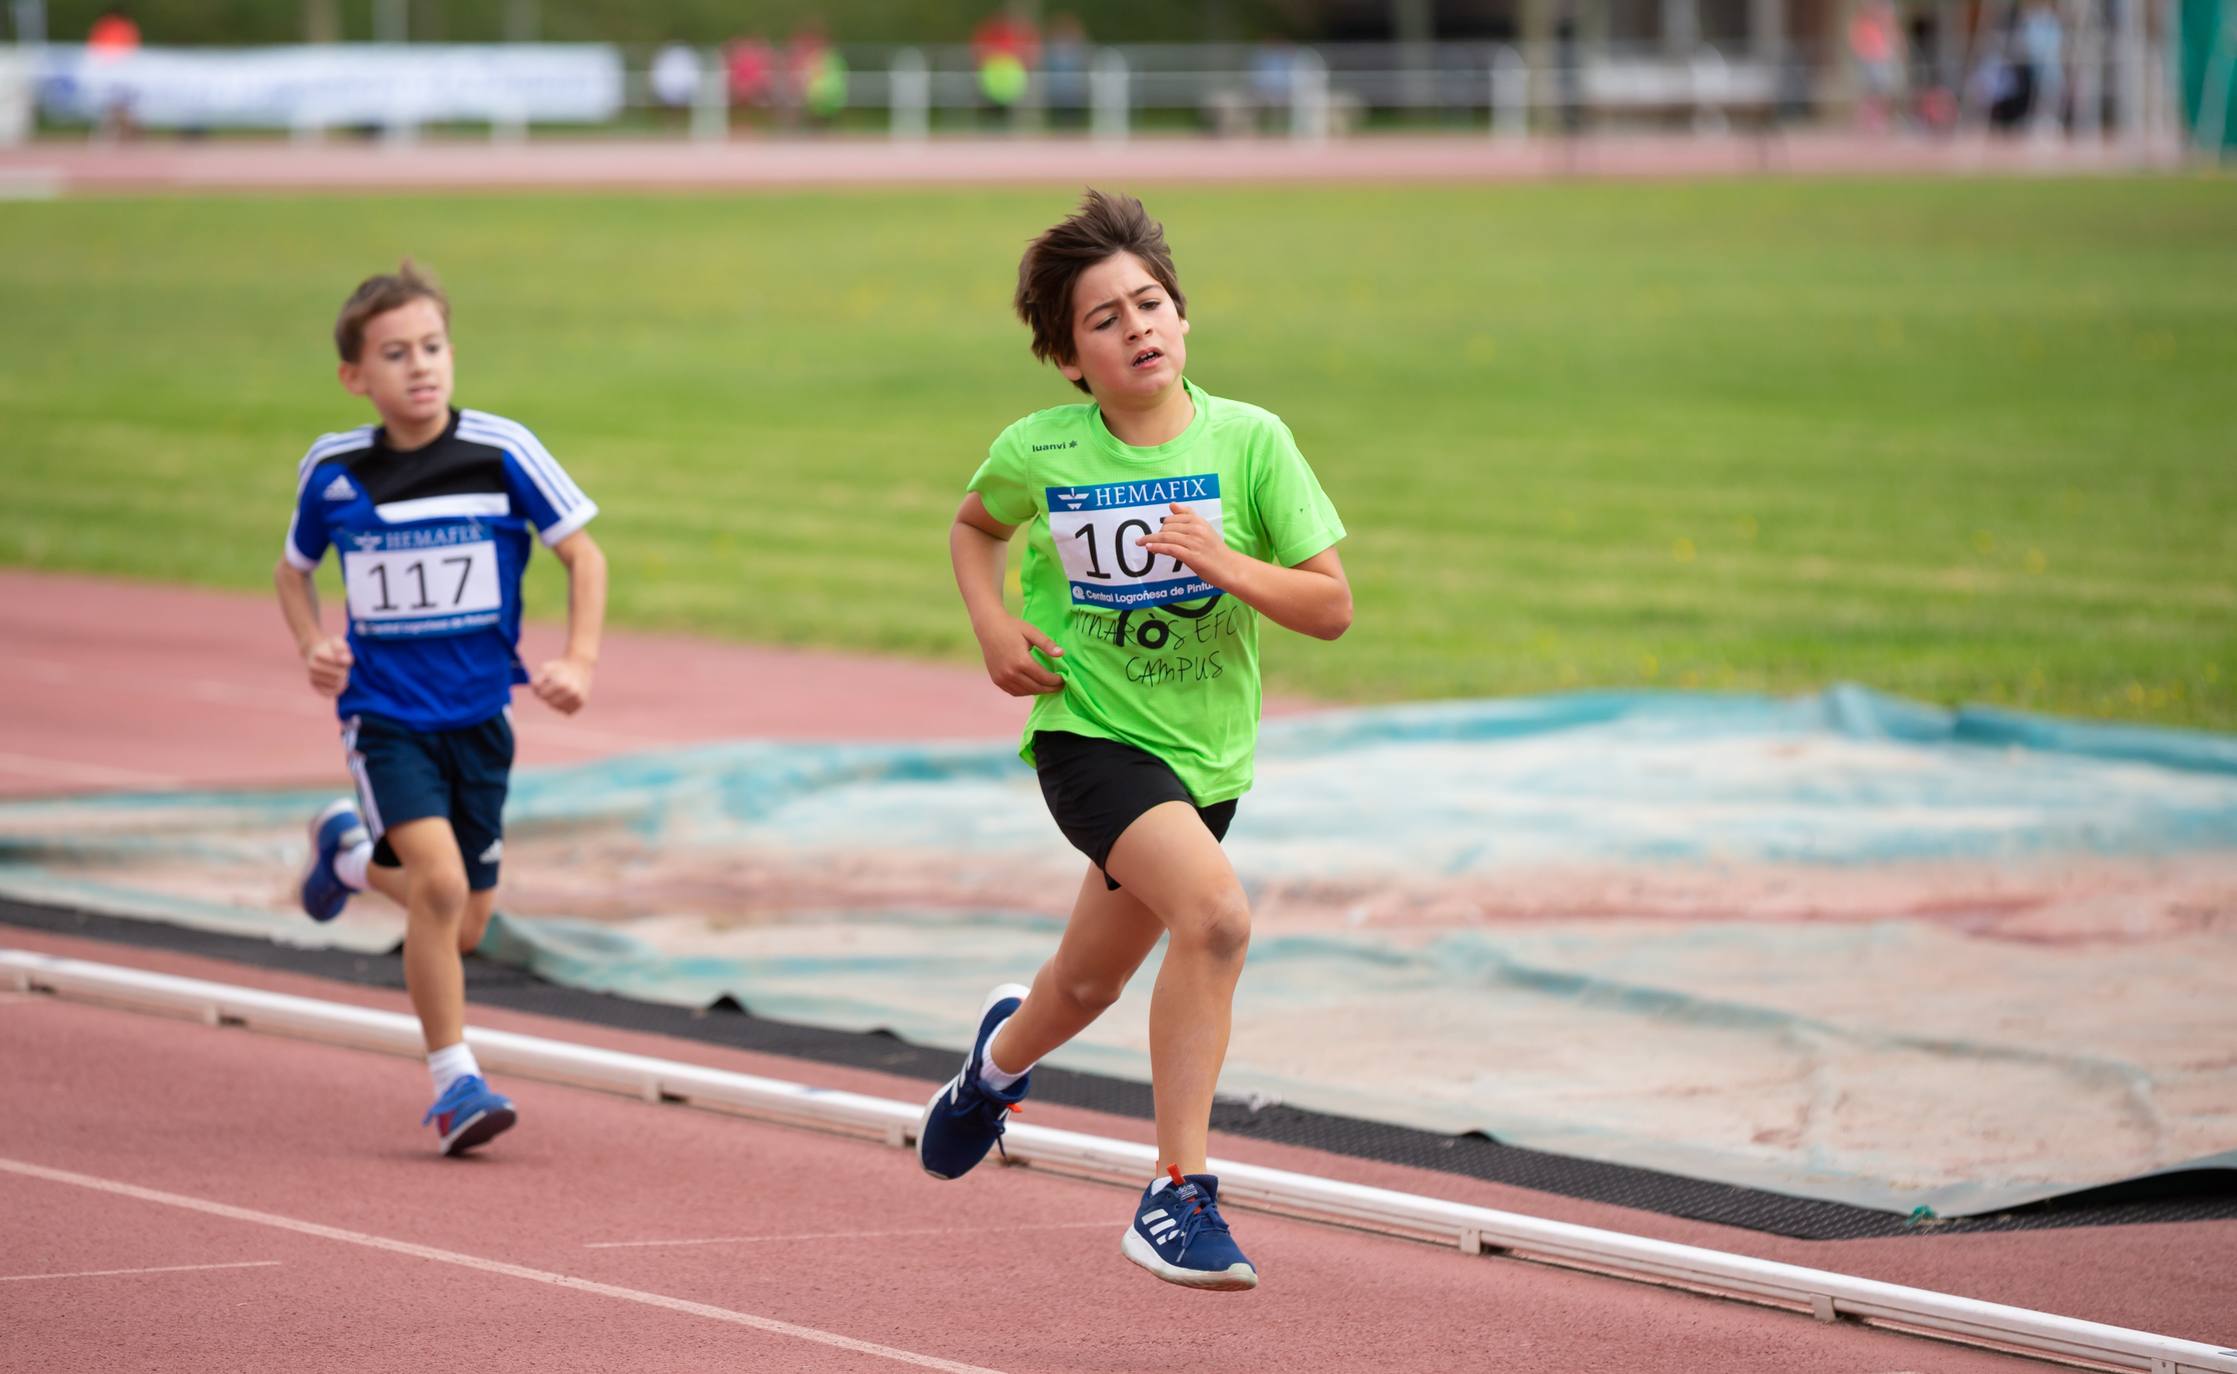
(479, 1129)
(1235, 1278)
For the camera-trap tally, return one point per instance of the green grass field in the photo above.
(1963, 441)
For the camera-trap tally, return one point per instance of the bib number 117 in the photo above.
(408, 584)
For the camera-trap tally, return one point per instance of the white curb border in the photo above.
(1826, 1295)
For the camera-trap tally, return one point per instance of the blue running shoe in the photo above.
(965, 1118)
(333, 830)
(469, 1114)
(1179, 1235)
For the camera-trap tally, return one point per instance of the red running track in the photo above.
(58, 166)
(354, 1247)
(109, 685)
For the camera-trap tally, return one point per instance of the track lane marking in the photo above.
(159, 1269)
(850, 1235)
(487, 1266)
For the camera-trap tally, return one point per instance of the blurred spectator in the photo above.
(113, 38)
(750, 68)
(815, 78)
(2042, 43)
(1933, 103)
(2000, 84)
(1876, 42)
(1273, 80)
(1004, 48)
(1569, 72)
(675, 76)
(113, 34)
(1064, 63)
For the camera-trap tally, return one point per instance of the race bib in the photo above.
(444, 589)
(1095, 528)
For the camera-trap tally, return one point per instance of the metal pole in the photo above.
(30, 22)
(2132, 54)
(1709, 82)
(710, 102)
(1308, 97)
(392, 21)
(2089, 69)
(1510, 93)
(1767, 30)
(1109, 97)
(1414, 25)
(909, 96)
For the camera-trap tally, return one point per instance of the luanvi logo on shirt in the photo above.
(1044, 448)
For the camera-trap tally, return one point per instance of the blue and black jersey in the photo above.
(432, 543)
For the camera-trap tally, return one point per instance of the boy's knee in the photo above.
(1088, 992)
(1218, 926)
(442, 895)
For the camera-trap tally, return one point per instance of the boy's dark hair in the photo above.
(1102, 227)
(379, 295)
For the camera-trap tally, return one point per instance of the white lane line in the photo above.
(853, 1235)
(70, 771)
(488, 1266)
(164, 1269)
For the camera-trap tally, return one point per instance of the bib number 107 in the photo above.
(1123, 548)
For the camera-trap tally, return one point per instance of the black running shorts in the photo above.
(1096, 788)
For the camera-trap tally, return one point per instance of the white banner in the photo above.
(336, 85)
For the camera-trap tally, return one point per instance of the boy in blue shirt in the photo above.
(429, 512)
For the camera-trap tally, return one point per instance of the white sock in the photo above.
(449, 1064)
(994, 1075)
(350, 866)
(1160, 1184)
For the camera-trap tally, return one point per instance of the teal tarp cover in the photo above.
(1842, 945)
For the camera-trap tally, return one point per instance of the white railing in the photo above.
(2117, 80)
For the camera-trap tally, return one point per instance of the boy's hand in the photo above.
(1190, 537)
(329, 663)
(1008, 648)
(562, 684)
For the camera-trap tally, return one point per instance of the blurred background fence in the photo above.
(2134, 71)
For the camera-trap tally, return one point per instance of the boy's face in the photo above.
(1128, 340)
(404, 368)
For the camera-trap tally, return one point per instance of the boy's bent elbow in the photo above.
(1338, 620)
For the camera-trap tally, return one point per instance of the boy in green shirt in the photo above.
(1162, 524)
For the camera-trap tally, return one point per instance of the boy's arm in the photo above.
(564, 683)
(1313, 598)
(979, 547)
(326, 656)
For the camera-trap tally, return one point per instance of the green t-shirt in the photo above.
(1153, 656)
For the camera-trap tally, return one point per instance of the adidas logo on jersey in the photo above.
(340, 490)
(492, 854)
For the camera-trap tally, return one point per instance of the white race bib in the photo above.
(1095, 529)
(442, 589)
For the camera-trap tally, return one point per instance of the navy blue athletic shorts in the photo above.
(408, 775)
(1096, 788)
